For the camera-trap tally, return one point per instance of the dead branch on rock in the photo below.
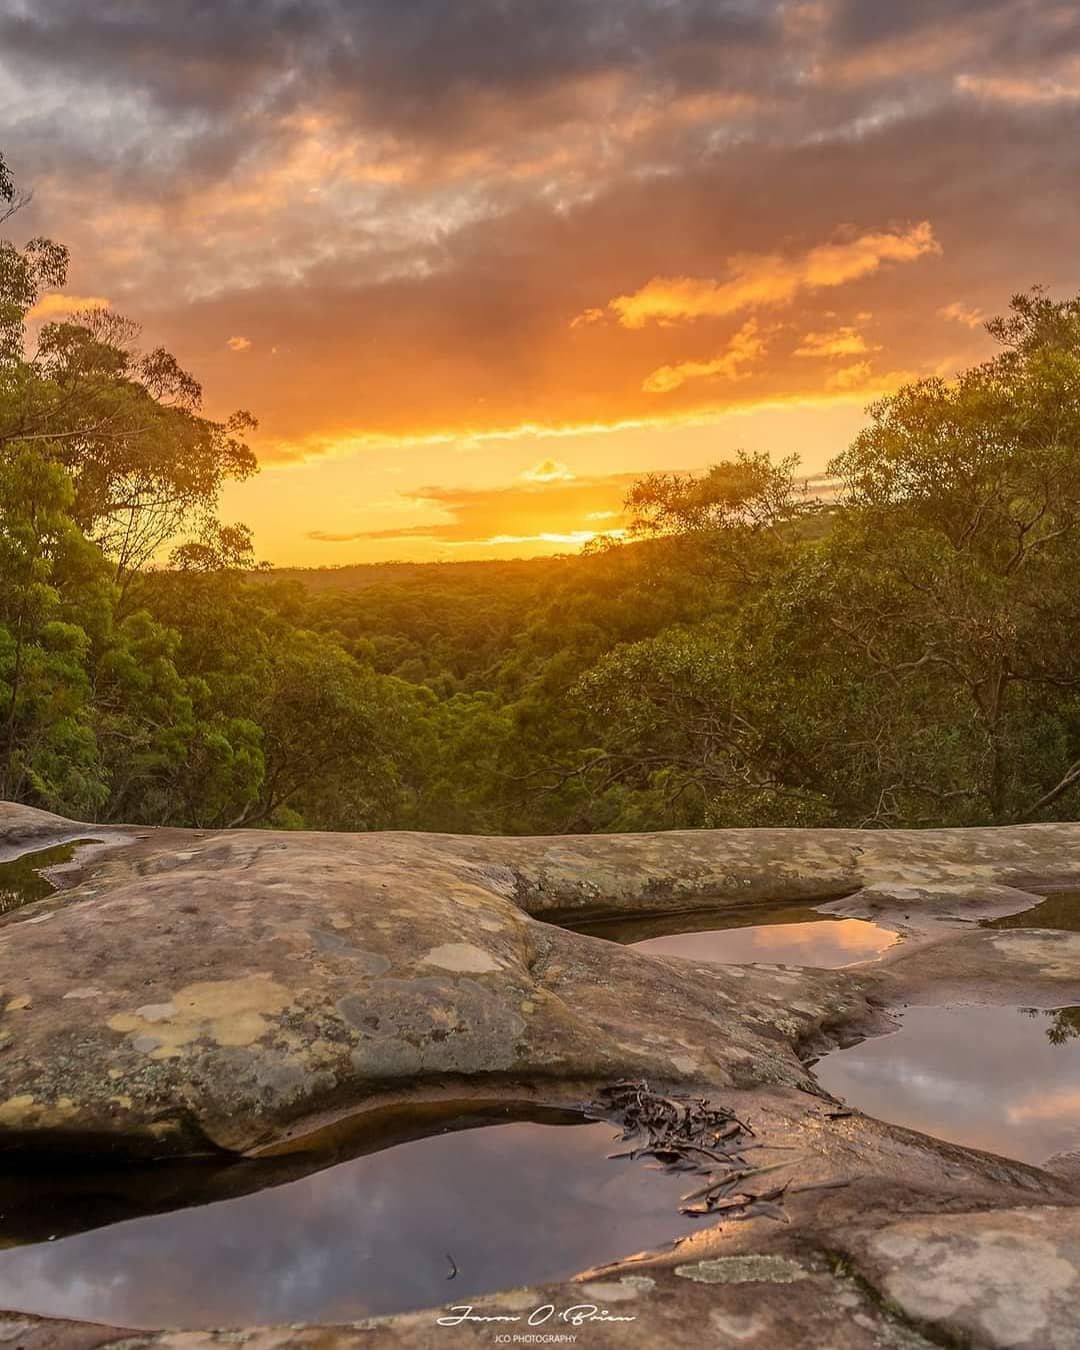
(688, 1134)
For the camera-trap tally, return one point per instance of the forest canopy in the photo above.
(901, 655)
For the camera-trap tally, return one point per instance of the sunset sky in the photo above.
(475, 264)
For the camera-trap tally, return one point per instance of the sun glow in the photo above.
(418, 267)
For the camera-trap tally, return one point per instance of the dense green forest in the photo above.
(905, 655)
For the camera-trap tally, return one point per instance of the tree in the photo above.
(102, 449)
(47, 748)
(10, 199)
(125, 424)
(737, 517)
(910, 659)
(956, 553)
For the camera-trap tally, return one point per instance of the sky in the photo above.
(476, 265)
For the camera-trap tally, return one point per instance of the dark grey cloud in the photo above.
(526, 162)
(166, 97)
(1008, 29)
(169, 96)
(396, 58)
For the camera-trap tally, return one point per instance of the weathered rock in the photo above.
(219, 991)
(192, 991)
(20, 826)
(992, 870)
(771, 1303)
(1010, 1278)
(249, 992)
(1012, 965)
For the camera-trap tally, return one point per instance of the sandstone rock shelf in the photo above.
(248, 993)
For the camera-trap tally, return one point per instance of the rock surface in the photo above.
(253, 993)
(223, 991)
(1006, 1279)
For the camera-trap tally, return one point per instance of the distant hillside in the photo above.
(362, 576)
(479, 573)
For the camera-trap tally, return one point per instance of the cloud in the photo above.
(424, 78)
(861, 379)
(851, 377)
(1063, 1104)
(423, 196)
(53, 306)
(548, 471)
(763, 279)
(744, 348)
(846, 341)
(958, 312)
(587, 316)
(547, 511)
(1024, 89)
(238, 344)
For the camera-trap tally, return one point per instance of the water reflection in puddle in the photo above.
(1060, 912)
(21, 879)
(1002, 1079)
(508, 1204)
(796, 936)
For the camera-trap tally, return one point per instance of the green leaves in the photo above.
(905, 656)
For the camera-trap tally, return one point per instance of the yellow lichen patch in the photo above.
(25, 1110)
(16, 1109)
(227, 1012)
(18, 1004)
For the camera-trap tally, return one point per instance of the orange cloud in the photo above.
(926, 52)
(744, 348)
(860, 380)
(548, 471)
(52, 306)
(1024, 89)
(1061, 1105)
(760, 279)
(851, 377)
(544, 511)
(847, 341)
(239, 344)
(969, 315)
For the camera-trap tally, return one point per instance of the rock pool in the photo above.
(1006, 1080)
(501, 1205)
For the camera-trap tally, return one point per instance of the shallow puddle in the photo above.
(794, 935)
(504, 1205)
(21, 879)
(1060, 912)
(1002, 1079)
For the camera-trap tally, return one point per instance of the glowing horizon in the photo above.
(432, 251)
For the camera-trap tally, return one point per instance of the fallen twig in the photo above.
(686, 1134)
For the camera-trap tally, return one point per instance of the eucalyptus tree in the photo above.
(125, 424)
(907, 656)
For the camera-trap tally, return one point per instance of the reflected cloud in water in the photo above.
(772, 932)
(826, 943)
(999, 1079)
(508, 1204)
